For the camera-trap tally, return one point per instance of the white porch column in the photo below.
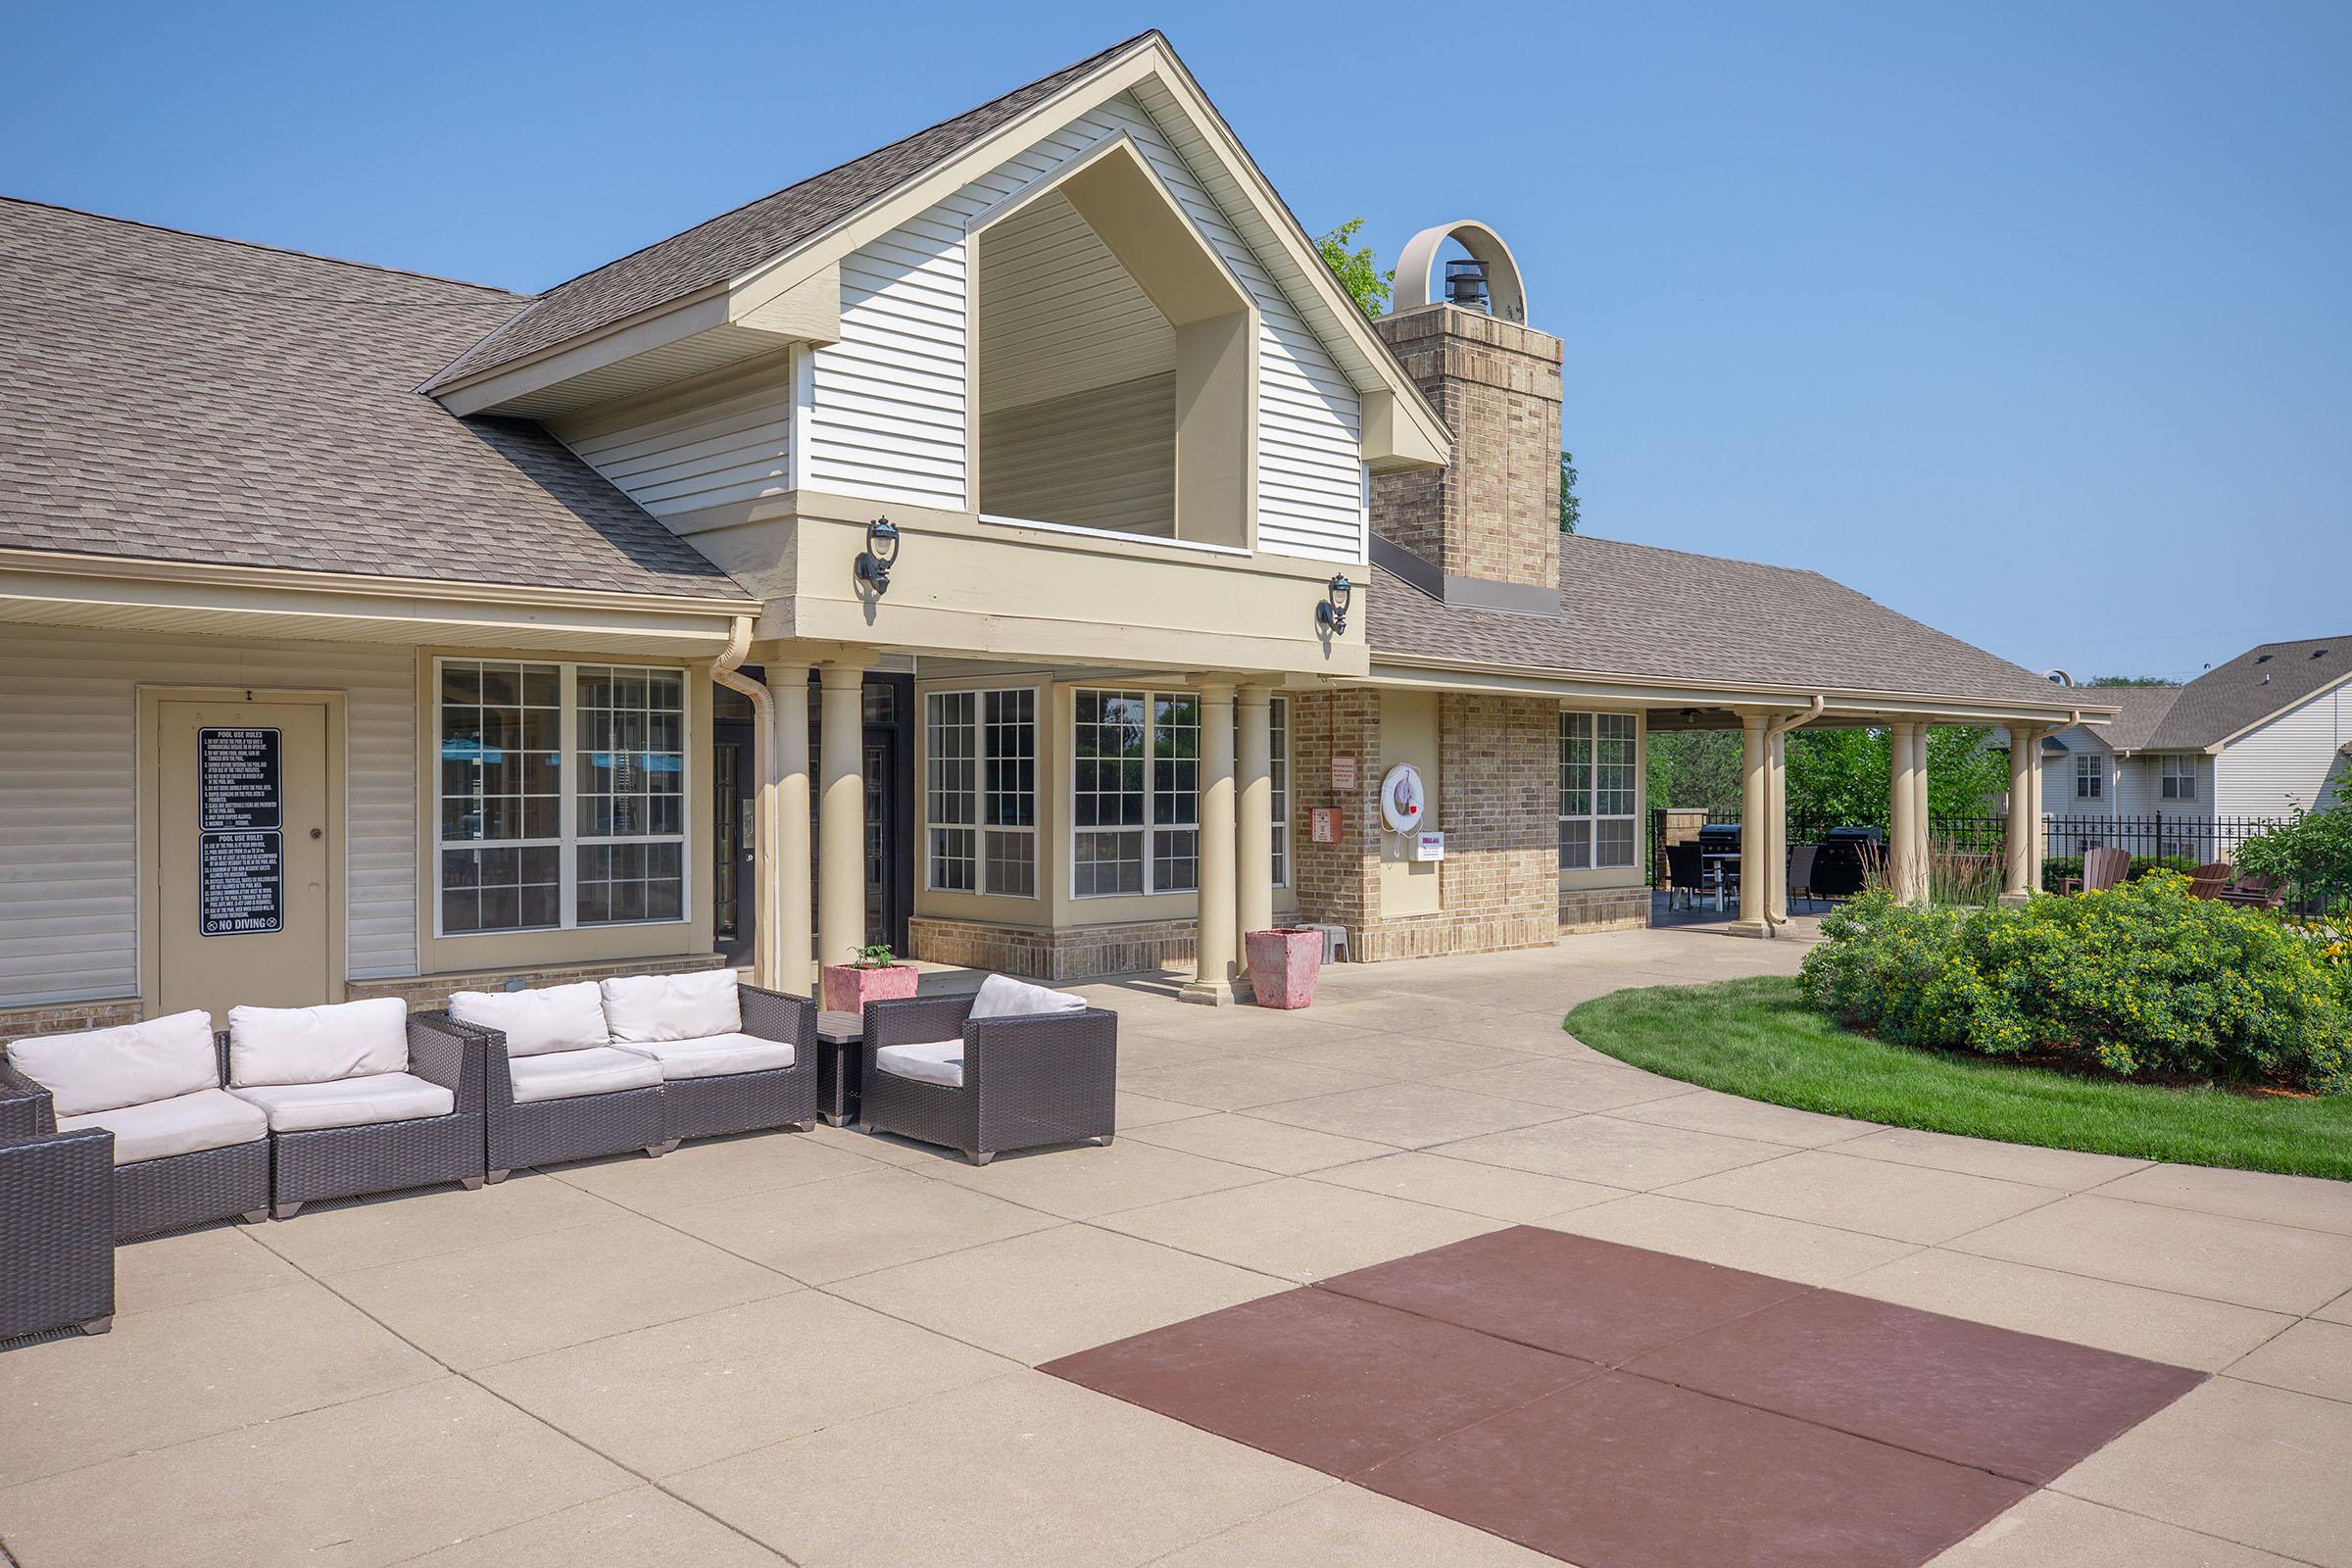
(1253, 836)
(1775, 802)
(2024, 753)
(1902, 839)
(841, 813)
(2038, 835)
(784, 902)
(1214, 940)
(1755, 827)
(1920, 816)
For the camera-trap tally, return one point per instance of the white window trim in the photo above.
(1593, 819)
(2177, 778)
(1151, 823)
(569, 842)
(980, 759)
(1281, 799)
(2090, 769)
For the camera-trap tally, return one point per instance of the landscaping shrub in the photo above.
(2058, 867)
(2143, 981)
(2313, 855)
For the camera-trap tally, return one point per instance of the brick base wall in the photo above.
(419, 992)
(1071, 953)
(1603, 909)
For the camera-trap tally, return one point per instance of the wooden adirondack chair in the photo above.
(2208, 881)
(2102, 869)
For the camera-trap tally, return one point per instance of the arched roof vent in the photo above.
(1491, 285)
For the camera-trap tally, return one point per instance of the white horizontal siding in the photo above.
(1059, 314)
(69, 796)
(724, 440)
(904, 356)
(2293, 763)
(1105, 457)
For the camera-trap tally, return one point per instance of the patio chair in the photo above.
(2255, 893)
(1686, 877)
(1008, 1066)
(359, 1096)
(1801, 870)
(57, 1221)
(2102, 869)
(2209, 881)
(184, 1148)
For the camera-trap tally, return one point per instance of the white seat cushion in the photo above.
(1002, 997)
(642, 1009)
(318, 1044)
(555, 1018)
(184, 1124)
(715, 1056)
(350, 1102)
(564, 1074)
(939, 1063)
(99, 1069)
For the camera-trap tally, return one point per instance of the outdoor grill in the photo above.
(1838, 868)
(1719, 838)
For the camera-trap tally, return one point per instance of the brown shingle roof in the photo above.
(172, 397)
(2250, 688)
(1639, 613)
(738, 241)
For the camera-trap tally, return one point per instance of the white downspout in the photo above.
(726, 670)
(1776, 869)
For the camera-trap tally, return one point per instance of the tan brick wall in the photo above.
(1603, 909)
(1072, 952)
(1499, 887)
(1493, 512)
(419, 992)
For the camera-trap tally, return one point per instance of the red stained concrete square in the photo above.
(1620, 1472)
(2017, 1404)
(1571, 1294)
(1321, 1379)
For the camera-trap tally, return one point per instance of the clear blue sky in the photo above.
(1910, 294)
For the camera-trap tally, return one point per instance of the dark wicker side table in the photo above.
(839, 1061)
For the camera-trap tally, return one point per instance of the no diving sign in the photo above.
(241, 847)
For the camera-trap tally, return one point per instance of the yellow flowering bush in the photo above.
(2143, 980)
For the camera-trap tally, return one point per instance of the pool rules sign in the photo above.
(241, 847)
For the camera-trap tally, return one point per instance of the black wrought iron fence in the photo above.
(2150, 834)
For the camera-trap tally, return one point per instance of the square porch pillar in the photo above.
(1756, 826)
(1216, 943)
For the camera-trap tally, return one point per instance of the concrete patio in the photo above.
(819, 1349)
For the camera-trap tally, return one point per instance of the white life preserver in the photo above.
(1401, 798)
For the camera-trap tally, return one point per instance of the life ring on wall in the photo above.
(1401, 798)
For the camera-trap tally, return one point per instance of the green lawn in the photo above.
(1757, 1038)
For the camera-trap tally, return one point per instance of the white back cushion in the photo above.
(672, 1006)
(1002, 997)
(557, 1018)
(318, 1044)
(133, 1064)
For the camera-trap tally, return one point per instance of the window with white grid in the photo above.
(1279, 772)
(2180, 779)
(1135, 793)
(1600, 756)
(980, 792)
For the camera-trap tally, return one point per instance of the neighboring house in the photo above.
(2263, 736)
(1011, 544)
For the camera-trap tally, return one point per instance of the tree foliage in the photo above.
(1356, 269)
(2129, 680)
(1843, 776)
(1695, 770)
(2313, 855)
(1571, 509)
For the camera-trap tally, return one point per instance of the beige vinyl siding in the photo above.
(888, 419)
(1098, 458)
(69, 795)
(2293, 761)
(722, 439)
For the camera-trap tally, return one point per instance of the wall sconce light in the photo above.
(1332, 612)
(881, 554)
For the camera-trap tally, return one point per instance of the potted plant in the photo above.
(1283, 965)
(872, 976)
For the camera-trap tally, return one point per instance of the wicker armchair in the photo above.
(175, 1191)
(1026, 1081)
(390, 1156)
(57, 1220)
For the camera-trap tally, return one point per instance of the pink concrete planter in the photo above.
(1283, 965)
(848, 986)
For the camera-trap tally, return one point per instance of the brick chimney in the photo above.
(1492, 517)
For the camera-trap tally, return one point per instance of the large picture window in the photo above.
(1135, 808)
(980, 792)
(1600, 756)
(561, 796)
